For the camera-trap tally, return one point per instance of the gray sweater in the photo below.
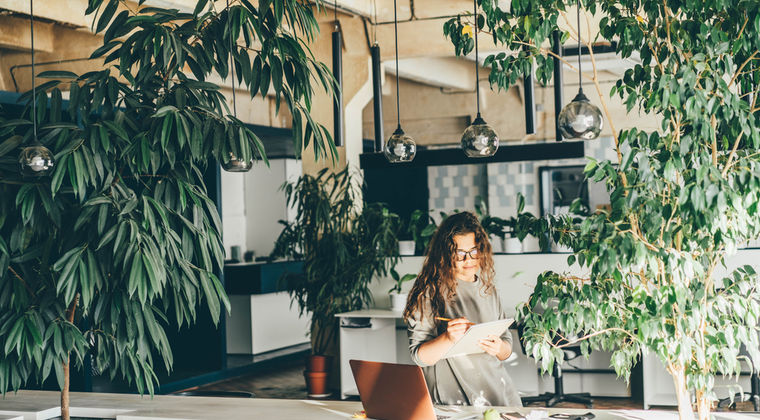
(476, 379)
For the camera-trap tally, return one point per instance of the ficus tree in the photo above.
(121, 238)
(683, 197)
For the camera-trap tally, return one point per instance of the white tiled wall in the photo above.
(457, 186)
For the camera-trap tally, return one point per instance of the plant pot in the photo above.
(513, 246)
(316, 384)
(497, 245)
(406, 247)
(398, 301)
(315, 363)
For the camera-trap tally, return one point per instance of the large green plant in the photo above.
(343, 241)
(682, 197)
(123, 235)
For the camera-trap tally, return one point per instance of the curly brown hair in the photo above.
(436, 285)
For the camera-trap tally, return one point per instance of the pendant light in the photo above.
(235, 163)
(479, 139)
(35, 159)
(580, 119)
(400, 147)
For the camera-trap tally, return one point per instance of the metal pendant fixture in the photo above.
(35, 159)
(479, 139)
(400, 147)
(580, 119)
(234, 162)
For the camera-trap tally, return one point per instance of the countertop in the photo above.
(31, 404)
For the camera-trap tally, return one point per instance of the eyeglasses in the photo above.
(461, 255)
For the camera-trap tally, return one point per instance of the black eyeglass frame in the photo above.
(461, 255)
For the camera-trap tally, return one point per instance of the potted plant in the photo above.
(421, 227)
(682, 197)
(494, 226)
(121, 237)
(344, 243)
(398, 299)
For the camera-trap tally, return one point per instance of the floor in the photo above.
(285, 380)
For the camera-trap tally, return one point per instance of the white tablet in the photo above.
(468, 344)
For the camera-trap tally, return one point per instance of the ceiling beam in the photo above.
(445, 72)
(16, 35)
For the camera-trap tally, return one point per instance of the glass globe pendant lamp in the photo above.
(235, 163)
(35, 160)
(580, 119)
(400, 147)
(479, 139)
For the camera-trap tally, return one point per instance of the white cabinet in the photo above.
(259, 323)
(377, 335)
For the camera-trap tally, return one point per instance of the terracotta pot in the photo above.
(316, 384)
(317, 363)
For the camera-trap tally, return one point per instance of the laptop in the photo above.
(391, 391)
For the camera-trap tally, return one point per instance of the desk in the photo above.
(40, 405)
(378, 335)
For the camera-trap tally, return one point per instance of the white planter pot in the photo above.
(497, 245)
(560, 248)
(398, 301)
(405, 247)
(513, 246)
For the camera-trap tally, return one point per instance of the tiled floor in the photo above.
(286, 381)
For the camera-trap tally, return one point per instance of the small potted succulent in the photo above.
(398, 299)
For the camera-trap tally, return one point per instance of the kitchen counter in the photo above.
(259, 277)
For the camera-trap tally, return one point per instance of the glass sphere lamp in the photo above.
(400, 147)
(36, 160)
(479, 139)
(580, 119)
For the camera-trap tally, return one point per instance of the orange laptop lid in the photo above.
(391, 391)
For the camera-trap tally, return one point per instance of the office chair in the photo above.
(753, 394)
(550, 399)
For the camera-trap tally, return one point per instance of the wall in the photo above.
(252, 205)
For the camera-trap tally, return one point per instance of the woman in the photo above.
(456, 282)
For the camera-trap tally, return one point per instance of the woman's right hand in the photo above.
(456, 328)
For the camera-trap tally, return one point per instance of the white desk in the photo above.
(382, 340)
(38, 405)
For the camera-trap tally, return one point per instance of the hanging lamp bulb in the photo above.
(400, 147)
(35, 159)
(234, 163)
(580, 119)
(479, 139)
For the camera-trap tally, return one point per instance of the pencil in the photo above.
(440, 318)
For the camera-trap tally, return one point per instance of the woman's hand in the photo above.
(496, 347)
(456, 328)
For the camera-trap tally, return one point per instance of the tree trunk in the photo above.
(685, 411)
(704, 405)
(65, 391)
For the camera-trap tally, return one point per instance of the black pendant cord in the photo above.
(477, 64)
(232, 60)
(34, 81)
(580, 74)
(395, 32)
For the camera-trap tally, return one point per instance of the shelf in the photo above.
(455, 156)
